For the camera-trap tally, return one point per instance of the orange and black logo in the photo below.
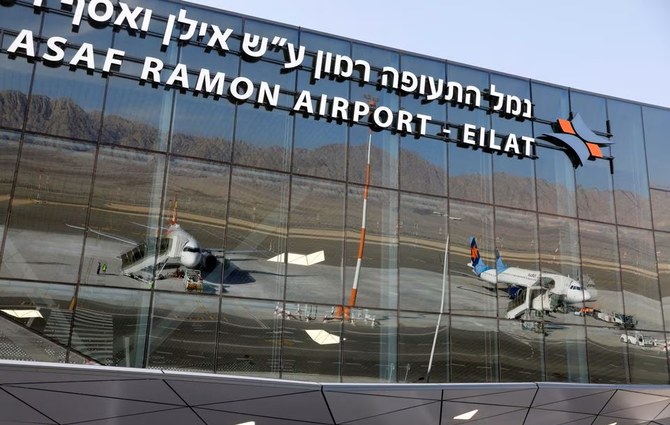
(582, 144)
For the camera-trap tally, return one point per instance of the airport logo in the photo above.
(582, 143)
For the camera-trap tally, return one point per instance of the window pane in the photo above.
(17, 16)
(45, 235)
(256, 233)
(660, 206)
(9, 147)
(124, 219)
(15, 77)
(249, 338)
(521, 351)
(378, 278)
(263, 138)
(311, 350)
(53, 305)
(203, 127)
(423, 238)
(469, 293)
(663, 255)
(516, 242)
(549, 102)
(66, 103)
(555, 177)
(416, 334)
(656, 140)
(631, 187)
(594, 182)
(316, 229)
(561, 268)
(600, 271)
(183, 332)
(474, 350)
(640, 279)
(565, 355)
(369, 353)
(110, 325)
(608, 360)
(136, 116)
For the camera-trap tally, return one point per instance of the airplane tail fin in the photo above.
(500, 264)
(476, 261)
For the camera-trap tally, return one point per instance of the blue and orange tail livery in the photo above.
(476, 262)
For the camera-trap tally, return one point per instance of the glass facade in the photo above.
(154, 215)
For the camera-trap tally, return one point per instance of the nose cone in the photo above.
(577, 296)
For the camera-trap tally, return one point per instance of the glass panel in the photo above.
(423, 161)
(416, 335)
(647, 360)
(124, 220)
(516, 242)
(15, 77)
(203, 127)
(9, 147)
(256, 233)
(183, 332)
(561, 269)
(311, 350)
(521, 358)
(663, 262)
(592, 108)
(197, 55)
(370, 349)
(320, 144)
(656, 140)
(266, 29)
(263, 138)
(56, 24)
(384, 146)
(314, 42)
(660, 206)
(201, 193)
(640, 278)
(378, 278)
(470, 173)
(423, 238)
(474, 350)
(44, 308)
(631, 187)
(66, 103)
(250, 335)
(555, 178)
(376, 57)
(600, 273)
(136, 116)
(549, 102)
(316, 236)
(110, 325)
(594, 182)
(45, 237)
(470, 293)
(16, 16)
(608, 360)
(565, 354)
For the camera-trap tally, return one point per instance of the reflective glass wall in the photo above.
(240, 220)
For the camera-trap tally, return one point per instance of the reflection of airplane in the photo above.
(157, 257)
(517, 278)
(174, 248)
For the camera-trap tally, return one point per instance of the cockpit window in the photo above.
(191, 249)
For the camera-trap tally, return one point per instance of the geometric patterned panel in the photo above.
(58, 394)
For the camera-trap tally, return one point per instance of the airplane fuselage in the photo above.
(525, 278)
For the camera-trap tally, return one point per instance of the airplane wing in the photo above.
(106, 235)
